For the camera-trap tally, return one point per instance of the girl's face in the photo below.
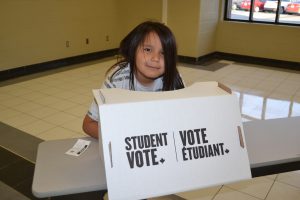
(150, 63)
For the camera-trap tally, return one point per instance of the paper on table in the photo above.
(79, 147)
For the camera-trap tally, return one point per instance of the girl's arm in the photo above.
(90, 126)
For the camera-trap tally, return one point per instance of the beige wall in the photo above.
(183, 19)
(132, 12)
(36, 31)
(199, 29)
(209, 18)
(194, 24)
(259, 40)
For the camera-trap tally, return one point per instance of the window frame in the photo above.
(227, 8)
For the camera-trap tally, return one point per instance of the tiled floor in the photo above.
(52, 106)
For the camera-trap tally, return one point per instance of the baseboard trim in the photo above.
(198, 60)
(275, 169)
(202, 60)
(240, 58)
(260, 61)
(45, 66)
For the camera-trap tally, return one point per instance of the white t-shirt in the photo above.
(121, 79)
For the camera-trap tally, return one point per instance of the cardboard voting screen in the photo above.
(163, 143)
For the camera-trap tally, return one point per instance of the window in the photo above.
(264, 11)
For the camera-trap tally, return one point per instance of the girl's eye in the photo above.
(147, 50)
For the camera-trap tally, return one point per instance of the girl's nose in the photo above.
(155, 57)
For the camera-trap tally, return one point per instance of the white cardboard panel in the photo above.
(187, 143)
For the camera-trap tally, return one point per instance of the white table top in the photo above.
(59, 174)
(268, 142)
(271, 142)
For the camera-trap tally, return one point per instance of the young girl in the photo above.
(149, 54)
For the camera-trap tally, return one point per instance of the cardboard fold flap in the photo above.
(241, 137)
(102, 97)
(224, 87)
(199, 89)
(110, 155)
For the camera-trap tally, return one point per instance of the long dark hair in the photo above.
(129, 45)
